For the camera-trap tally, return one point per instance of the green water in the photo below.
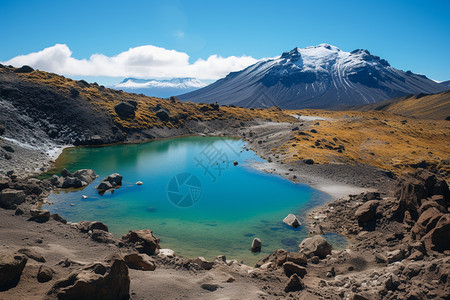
(219, 209)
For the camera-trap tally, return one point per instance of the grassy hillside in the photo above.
(388, 141)
(434, 106)
(104, 99)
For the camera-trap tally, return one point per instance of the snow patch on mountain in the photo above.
(160, 88)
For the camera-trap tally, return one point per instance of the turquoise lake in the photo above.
(193, 197)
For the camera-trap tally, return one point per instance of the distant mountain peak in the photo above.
(319, 76)
(160, 87)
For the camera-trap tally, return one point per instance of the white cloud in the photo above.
(142, 62)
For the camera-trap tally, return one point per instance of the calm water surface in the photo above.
(193, 197)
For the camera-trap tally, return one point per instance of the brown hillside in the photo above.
(434, 106)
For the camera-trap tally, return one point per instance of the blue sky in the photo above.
(411, 35)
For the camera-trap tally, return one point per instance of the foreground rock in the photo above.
(107, 280)
(292, 221)
(10, 197)
(280, 256)
(40, 215)
(139, 262)
(86, 226)
(11, 267)
(315, 246)
(143, 241)
(294, 284)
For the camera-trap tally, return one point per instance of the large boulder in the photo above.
(125, 110)
(438, 239)
(10, 197)
(426, 222)
(71, 182)
(367, 211)
(97, 281)
(292, 221)
(315, 246)
(87, 176)
(11, 267)
(76, 179)
(416, 186)
(143, 241)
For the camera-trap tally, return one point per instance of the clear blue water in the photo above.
(217, 208)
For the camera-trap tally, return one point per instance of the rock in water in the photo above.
(256, 245)
(294, 284)
(315, 245)
(107, 280)
(11, 267)
(143, 241)
(292, 221)
(110, 182)
(10, 197)
(367, 211)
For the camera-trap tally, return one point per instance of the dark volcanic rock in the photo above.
(24, 69)
(367, 211)
(414, 187)
(163, 114)
(40, 215)
(107, 280)
(11, 267)
(256, 245)
(125, 110)
(143, 241)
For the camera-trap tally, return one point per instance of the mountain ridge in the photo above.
(320, 76)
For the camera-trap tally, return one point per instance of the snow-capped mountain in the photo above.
(315, 77)
(160, 88)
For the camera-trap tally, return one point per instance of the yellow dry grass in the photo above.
(104, 99)
(384, 140)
